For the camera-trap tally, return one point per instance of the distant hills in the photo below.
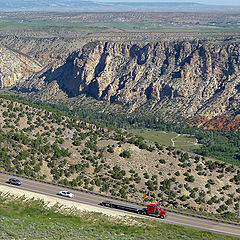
(91, 6)
(45, 4)
(156, 4)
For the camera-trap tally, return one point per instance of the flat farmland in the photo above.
(75, 24)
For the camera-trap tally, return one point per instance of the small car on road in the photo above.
(14, 181)
(65, 194)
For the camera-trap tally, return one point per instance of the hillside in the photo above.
(46, 145)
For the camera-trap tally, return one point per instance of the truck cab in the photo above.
(155, 210)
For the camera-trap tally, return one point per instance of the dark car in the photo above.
(14, 181)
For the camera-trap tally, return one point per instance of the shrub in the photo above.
(98, 182)
(123, 193)
(150, 185)
(166, 184)
(190, 178)
(230, 168)
(105, 187)
(159, 147)
(143, 145)
(125, 154)
(110, 149)
(91, 145)
(77, 142)
(146, 175)
(211, 165)
(222, 208)
(126, 180)
(184, 157)
(162, 161)
(192, 194)
(200, 200)
(151, 148)
(117, 173)
(207, 185)
(210, 181)
(220, 176)
(226, 187)
(237, 177)
(137, 179)
(228, 215)
(229, 201)
(183, 198)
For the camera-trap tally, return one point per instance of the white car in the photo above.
(65, 194)
(14, 181)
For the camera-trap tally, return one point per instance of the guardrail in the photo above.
(119, 199)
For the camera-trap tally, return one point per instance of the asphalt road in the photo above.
(179, 219)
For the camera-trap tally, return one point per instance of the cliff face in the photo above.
(188, 77)
(15, 67)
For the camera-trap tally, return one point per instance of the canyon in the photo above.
(170, 78)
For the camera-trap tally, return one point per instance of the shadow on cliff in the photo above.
(67, 76)
(140, 53)
(70, 76)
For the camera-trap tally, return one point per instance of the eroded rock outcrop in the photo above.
(15, 67)
(179, 77)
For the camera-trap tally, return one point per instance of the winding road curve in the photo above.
(94, 200)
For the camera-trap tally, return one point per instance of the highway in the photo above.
(94, 200)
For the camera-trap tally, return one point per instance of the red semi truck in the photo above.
(150, 210)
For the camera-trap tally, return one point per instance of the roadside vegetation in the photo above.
(32, 219)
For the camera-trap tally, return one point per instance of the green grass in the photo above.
(184, 142)
(31, 219)
(163, 138)
(47, 25)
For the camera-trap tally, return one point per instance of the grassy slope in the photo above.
(32, 220)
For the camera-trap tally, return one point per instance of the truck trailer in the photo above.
(151, 210)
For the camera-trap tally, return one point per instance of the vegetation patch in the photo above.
(184, 142)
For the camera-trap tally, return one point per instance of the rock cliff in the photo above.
(15, 67)
(188, 78)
